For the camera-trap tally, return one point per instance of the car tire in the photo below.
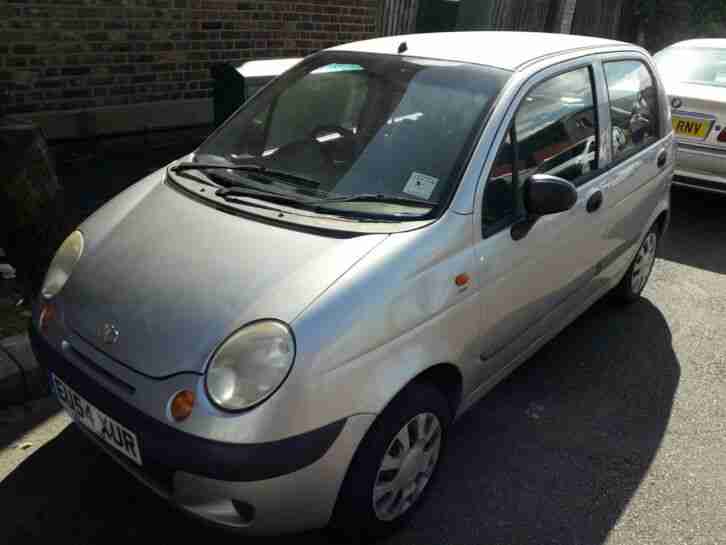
(398, 476)
(633, 283)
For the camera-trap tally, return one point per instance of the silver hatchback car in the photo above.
(277, 331)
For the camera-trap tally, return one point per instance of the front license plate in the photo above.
(692, 127)
(105, 427)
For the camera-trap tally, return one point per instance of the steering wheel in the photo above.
(620, 140)
(322, 130)
(330, 129)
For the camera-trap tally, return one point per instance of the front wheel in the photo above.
(634, 281)
(394, 465)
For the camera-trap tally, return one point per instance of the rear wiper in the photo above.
(248, 167)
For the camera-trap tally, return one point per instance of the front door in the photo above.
(535, 271)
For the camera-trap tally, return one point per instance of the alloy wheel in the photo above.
(407, 466)
(644, 262)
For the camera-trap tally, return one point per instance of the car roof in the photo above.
(716, 43)
(506, 50)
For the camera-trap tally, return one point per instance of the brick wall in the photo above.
(79, 54)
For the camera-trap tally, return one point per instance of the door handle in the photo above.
(662, 158)
(594, 202)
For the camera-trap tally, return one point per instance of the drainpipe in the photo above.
(560, 16)
(568, 15)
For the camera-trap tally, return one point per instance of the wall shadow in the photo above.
(552, 455)
(92, 173)
(698, 230)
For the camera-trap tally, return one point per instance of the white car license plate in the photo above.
(113, 433)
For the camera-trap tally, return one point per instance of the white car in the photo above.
(694, 73)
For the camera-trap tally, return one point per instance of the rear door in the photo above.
(535, 271)
(639, 157)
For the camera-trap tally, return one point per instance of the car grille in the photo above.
(94, 367)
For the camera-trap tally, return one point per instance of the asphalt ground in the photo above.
(615, 432)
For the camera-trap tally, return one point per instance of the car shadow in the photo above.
(552, 455)
(555, 453)
(697, 231)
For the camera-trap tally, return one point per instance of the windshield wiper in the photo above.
(290, 176)
(248, 167)
(376, 197)
(238, 193)
(320, 203)
(234, 192)
(239, 190)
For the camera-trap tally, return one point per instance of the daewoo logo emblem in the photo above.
(676, 102)
(109, 334)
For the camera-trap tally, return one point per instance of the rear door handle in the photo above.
(662, 158)
(594, 202)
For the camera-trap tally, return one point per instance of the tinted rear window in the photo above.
(704, 66)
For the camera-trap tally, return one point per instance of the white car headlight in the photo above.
(250, 365)
(62, 265)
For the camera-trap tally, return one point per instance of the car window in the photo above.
(633, 106)
(556, 128)
(331, 96)
(554, 132)
(500, 203)
(696, 65)
(352, 124)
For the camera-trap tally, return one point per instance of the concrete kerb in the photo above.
(22, 379)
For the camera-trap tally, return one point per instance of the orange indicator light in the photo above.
(47, 315)
(182, 405)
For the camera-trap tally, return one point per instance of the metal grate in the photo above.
(94, 367)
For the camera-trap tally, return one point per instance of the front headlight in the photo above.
(250, 365)
(62, 265)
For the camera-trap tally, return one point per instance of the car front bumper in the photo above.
(265, 488)
(702, 167)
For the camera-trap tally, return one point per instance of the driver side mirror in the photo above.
(545, 194)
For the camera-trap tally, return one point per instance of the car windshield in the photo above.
(393, 127)
(699, 65)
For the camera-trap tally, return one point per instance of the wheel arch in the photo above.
(445, 377)
(662, 222)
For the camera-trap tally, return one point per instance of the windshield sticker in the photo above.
(328, 68)
(420, 185)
